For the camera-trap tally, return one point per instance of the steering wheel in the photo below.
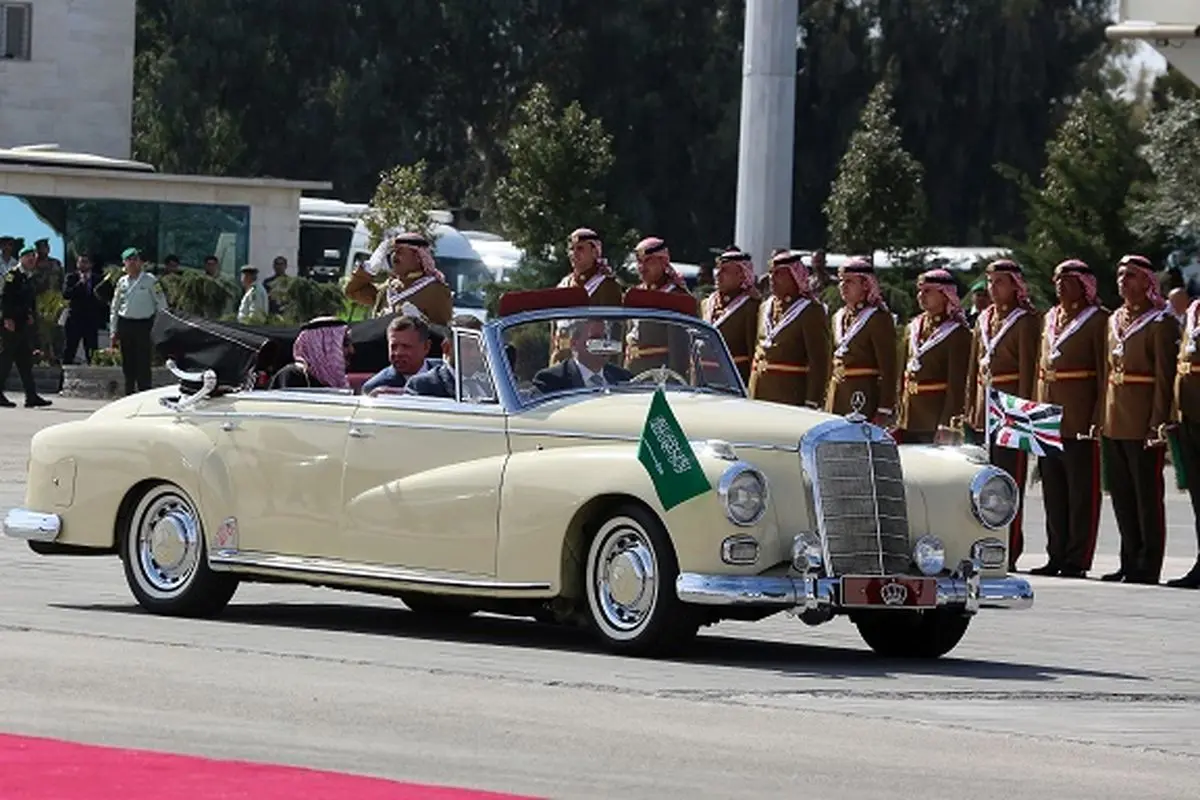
(658, 374)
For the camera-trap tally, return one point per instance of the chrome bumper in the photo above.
(32, 526)
(816, 594)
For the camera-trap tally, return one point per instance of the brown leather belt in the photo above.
(841, 373)
(1054, 375)
(1118, 378)
(919, 387)
(1004, 377)
(1186, 368)
(647, 352)
(780, 367)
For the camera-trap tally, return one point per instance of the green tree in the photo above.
(1165, 211)
(558, 158)
(401, 202)
(1079, 211)
(877, 200)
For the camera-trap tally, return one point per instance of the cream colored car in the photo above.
(524, 495)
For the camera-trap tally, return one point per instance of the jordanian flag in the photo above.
(1024, 424)
(668, 456)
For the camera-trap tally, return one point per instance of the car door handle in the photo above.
(229, 426)
(359, 433)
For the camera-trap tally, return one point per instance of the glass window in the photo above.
(470, 367)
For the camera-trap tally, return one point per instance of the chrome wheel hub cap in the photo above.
(626, 579)
(168, 544)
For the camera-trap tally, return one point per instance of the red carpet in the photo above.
(48, 769)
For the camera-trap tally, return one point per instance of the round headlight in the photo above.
(929, 554)
(743, 490)
(994, 497)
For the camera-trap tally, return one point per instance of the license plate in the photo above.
(889, 591)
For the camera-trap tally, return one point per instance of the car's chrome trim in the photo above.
(625, 437)
(279, 564)
(32, 526)
(813, 594)
(281, 416)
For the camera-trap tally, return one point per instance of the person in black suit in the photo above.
(438, 381)
(85, 312)
(583, 368)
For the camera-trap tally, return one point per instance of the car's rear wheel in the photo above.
(630, 583)
(901, 634)
(164, 552)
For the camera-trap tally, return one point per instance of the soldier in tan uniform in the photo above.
(1073, 375)
(1187, 414)
(864, 347)
(648, 344)
(1143, 338)
(791, 360)
(937, 344)
(733, 308)
(413, 280)
(591, 272)
(1004, 355)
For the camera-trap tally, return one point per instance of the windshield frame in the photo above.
(506, 380)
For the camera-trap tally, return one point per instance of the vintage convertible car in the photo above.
(524, 494)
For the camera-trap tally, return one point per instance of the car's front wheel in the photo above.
(630, 584)
(900, 634)
(164, 553)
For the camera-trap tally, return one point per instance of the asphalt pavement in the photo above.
(1094, 693)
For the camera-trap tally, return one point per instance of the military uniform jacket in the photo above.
(791, 361)
(1073, 370)
(1006, 348)
(933, 384)
(18, 301)
(737, 320)
(1142, 358)
(1187, 379)
(429, 295)
(652, 344)
(864, 360)
(601, 288)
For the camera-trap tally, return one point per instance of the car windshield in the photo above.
(591, 352)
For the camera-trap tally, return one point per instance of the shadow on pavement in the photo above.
(710, 648)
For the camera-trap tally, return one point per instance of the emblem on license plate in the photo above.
(898, 591)
(893, 594)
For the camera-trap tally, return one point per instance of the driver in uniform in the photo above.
(651, 345)
(791, 361)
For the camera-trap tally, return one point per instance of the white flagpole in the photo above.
(987, 413)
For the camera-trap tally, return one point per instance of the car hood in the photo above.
(702, 416)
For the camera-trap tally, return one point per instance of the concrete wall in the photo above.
(274, 205)
(77, 88)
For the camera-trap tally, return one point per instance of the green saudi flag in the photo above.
(668, 456)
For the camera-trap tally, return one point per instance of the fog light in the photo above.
(929, 554)
(989, 553)
(739, 550)
(806, 553)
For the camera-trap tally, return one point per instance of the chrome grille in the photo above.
(858, 488)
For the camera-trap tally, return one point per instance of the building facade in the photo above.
(66, 74)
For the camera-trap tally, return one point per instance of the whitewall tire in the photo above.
(165, 556)
(629, 580)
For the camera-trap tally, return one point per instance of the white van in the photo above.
(334, 240)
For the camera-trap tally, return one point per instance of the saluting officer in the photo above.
(864, 347)
(414, 281)
(1004, 356)
(18, 307)
(651, 344)
(136, 301)
(1072, 375)
(1187, 414)
(1142, 340)
(937, 345)
(791, 362)
(733, 308)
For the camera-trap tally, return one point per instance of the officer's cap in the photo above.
(27, 250)
(130, 252)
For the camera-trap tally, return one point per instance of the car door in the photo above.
(276, 467)
(421, 486)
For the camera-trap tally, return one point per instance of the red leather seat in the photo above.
(357, 379)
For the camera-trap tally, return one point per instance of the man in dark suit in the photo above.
(583, 368)
(438, 380)
(85, 313)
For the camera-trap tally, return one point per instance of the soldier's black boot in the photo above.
(1050, 569)
(1189, 581)
(36, 401)
(6, 403)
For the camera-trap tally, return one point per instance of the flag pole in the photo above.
(987, 413)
